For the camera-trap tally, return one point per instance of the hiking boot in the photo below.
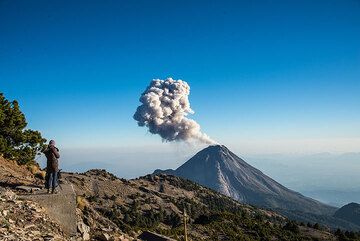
(54, 191)
(48, 191)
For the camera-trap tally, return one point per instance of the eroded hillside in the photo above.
(157, 203)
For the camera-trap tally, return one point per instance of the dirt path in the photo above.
(61, 206)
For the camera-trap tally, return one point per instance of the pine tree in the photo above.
(16, 142)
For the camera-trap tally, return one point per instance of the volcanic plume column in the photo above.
(164, 110)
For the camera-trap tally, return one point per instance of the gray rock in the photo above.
(27, 188)
(84, 230)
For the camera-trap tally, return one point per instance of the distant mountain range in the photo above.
(329, 178)
(220, 169)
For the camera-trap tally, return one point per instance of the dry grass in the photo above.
(81, 202)
(41, 174)
(12, 173)
(33, 169)
(36, 171)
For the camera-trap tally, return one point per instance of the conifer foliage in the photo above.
(17, 142)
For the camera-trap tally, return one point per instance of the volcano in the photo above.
(218, 168)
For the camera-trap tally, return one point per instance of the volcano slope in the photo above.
(218, 168)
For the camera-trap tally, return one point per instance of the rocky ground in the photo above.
(12, 174)
(25, 220)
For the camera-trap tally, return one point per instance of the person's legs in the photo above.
(54, 181)
(49, 181)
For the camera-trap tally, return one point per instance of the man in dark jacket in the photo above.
(52, 167)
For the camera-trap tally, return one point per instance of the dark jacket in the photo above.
(52, 155)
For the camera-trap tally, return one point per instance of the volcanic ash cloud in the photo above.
(164, 109)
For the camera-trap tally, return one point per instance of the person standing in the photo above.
(52, 167)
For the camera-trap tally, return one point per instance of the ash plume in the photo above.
(164, 109)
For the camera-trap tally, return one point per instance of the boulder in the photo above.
(84, 230)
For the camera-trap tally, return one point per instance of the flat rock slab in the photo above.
(28, 188)
(61, 207)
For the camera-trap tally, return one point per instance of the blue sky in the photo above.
(265, 76)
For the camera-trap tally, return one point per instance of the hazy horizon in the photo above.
(328, 177)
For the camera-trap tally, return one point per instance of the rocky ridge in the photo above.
(157, 202)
